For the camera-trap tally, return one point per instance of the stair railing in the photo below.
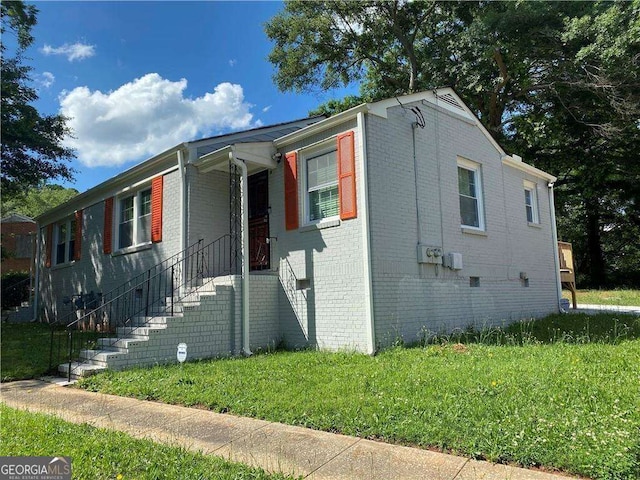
(151, 294)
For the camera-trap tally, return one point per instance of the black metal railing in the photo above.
(148, 295)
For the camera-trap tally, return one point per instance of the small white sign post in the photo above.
(182, 352)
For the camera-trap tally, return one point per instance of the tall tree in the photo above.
(32, 144)
(37, 200)
(556, 81)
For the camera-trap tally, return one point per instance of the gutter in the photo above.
(245, 250)
(554, 235)
(366, 240)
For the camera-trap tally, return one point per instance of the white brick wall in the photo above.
(98, 272)
(331, 258)
(410, 298)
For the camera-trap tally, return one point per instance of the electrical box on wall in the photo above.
(427, 254)
(453, 261)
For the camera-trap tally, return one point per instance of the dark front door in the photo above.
(259, 221)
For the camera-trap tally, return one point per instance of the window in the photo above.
(322, 185)
(531, 202)
(65, 235)
(134, 219)
(470, 192)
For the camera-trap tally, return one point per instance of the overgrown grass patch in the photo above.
(98, 453)
(606, 297)
(547, 397)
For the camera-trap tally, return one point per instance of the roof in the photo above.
(17, 218)
(167, 159)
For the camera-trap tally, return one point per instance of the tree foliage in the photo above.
(32, 148)
(558, 82)
(37, 200)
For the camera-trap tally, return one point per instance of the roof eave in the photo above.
(105, 189)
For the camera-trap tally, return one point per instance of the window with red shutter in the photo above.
(78, 236)
(347, 176)
(291, 191)
(107, 239)
(156, 209)
(48, 246)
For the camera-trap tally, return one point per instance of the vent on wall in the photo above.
(451, 100)
(474, 281)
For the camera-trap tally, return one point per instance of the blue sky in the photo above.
(139, 77)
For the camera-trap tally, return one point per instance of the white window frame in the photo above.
(67, 257)
(535, 215)
(137, 205)
(476, 168)
(305, 155)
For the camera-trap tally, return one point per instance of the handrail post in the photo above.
(172, 271)
(70, 354)
(146, 308)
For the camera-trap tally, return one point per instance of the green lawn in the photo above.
(562, 393)
(25, 350)
(606, 297)
(98, 453)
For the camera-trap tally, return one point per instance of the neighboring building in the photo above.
(18, 233)
(394, 219)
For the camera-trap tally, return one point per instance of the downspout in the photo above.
(554, 235)
(183, 201)
(245, 249)
(366, 240)
(37, 279)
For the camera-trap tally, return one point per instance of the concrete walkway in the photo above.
(593, 309)
(272, 446)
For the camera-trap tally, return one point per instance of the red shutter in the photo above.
(156, 209)
(78, 239)
(48, 246)
(347, 176)
(291, 191)
(107, 240)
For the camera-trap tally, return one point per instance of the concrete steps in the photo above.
(137, 344)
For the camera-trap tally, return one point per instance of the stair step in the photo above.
(134, 332)
(121, 343)
(150, 321)
(99, 357)
(80, 370)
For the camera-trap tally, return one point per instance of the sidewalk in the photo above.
(272, 446)
(593, 309)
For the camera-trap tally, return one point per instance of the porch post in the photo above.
(244, 195)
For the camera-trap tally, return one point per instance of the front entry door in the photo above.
(259, 221)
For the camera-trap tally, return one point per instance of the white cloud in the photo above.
(233, 62)
(146, 116)
(76, 51)
(266, 109)
(45, 79)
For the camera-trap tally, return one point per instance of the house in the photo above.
(18, 232)
(394, 219)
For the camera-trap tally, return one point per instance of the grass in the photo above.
(25, 350)
(98, 453)
(606, 297)
(561, 393)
